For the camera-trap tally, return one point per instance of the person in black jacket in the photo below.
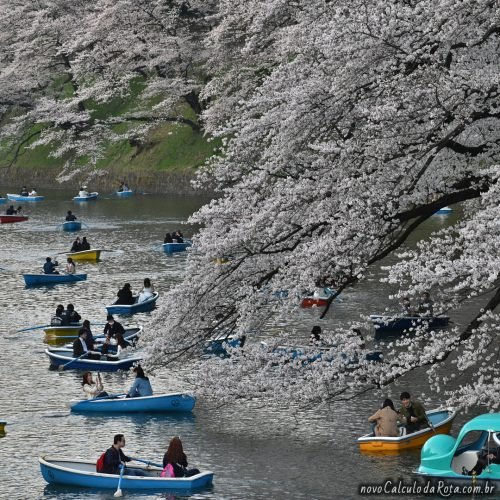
(77, 245)
(115, 457)
(85, 244)
(125, 295)
(70, 316)
(71, 216)
(80, 346)
(112, 327)
(177, 458)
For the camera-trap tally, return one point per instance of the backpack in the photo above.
(99, 465)
(168, 471)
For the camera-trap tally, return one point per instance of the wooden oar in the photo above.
(118, 492)
(62, 367)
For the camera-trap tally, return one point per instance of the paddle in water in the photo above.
(118, 492)
(62, 367)
(37, 327)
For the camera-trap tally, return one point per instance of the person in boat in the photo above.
(50, 267)
(177, 459)
(85, 244)
(11, 211)
(406, 308)
(77, 245)
(32, 192)
(19, 210)
(70, 217)
(114, 340)
(386, 420)
(125, 295)
(24, 191)
(141, 386)
(70, 316)
(93, 389)
(178, 237)
(125, 187)
(83, 193)
(147, 291)
(484, 459)
(315, 337)
(57, 319)
(168, 238)
(413, 412)
(114, 458)
(90, 337)
(122, 187)
(80, 346)
(70, 266)
(113, 327)
(426, 305)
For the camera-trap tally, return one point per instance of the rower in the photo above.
(70, 217)
(85, 244)
(11, 211)
(24, 191)
(50, 267)
(83, 193)
(77, 245)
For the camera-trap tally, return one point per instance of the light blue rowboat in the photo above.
(83, 473)
(3, 200)
(443, 211)
(72, 225)
(63, 356)
(144, 306)
(124, 194)
(18, 197)
(90, 197)
(161, 403)
(52, 279)
(176, 247)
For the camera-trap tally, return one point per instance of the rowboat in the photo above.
(176, 247)
(124, 194)
(92, 255)
(443, 211)
(72, 225)
(70, 331)
(52, 279)
(3, 423)
(18, 197)
(175, 402)
(441, 421)
(76, 472)
(144, 306)
(387, 324)
(91, 196)
(452, 459)
(3, 200)
(317, 299)
(218, 346)
(63, 356)
(9, 219)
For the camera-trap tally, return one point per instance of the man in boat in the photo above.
(70, 217)
(85, 244)
(24, 191)
(70, 316)
(125, 295)
(414, 413)
(114, 458)
(426, 305)
(50, 267)
(484, 459)
(112, 327)
(80, 346)
(11, 211)
(77, 245)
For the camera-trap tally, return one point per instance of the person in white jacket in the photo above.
(93, 389)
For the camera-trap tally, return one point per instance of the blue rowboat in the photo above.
(176, 247)
(52, 279)
(387, 324)
(217, 347)
(83, 473)
(175, 402)
(452, 459)
(444, 211)
(18, 197)
(3, 200)
(124, 194)
(145, 306)
(72, 225)
(62, 356)
(91, 196)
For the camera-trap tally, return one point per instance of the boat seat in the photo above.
(402, 431)
(467, 459)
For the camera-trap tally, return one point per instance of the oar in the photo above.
(118, 492)
(62, 367)
(78, 278)
(147, 462)
(84, 224)
(38, 327)
(158, 246)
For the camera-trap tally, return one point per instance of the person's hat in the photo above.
(109, 317)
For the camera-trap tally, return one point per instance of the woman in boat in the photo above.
(122, 187)
(168, 238)
(176, 458)
(177, 237)
(90, 337)
(33, 192)
(57, 319)
(147, 291)
(83, 193)
(70, 266)
(114, 340)
(93, 389)
(386, 420)
(85, 244)
(141, 386)
(77, 245)
(125, 295)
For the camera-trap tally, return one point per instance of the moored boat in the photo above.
(175, 402)
(3, 423)
(76, 472)
(10, 219)
(63, 356)
(441, 421)
(453, 459)
(92, 255)
(18, 197)
(89, 197)
(176, 247)
(52, 279)
(144, 306)
(385, 324)
(124, 194)
(72, 225)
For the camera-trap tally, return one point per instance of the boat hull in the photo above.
(89, 255)
(82, 473)
(176, 247)
(10, 219)
(444, 421)
(308, 302)
(72, 226)
(2, 426)
(383, 324)
(90, 197)
(3, 200)
(147, 305)
(70, 331)
(52, 279)
(124, 194)
(18, 197)
(444, 211)
(162, 403)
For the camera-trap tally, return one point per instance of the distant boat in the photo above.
(10, 219)
(18, 197)
(3, 423)
(317, 300)
(76, 472)
(443, 211)
(175, 402)
(72, 225)
(92, 255)
(176, 247)
(217, 347)
(144, 306)
(89, 197)
(124, 194)
(385, 324)
(3, 200)
(52, 279)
